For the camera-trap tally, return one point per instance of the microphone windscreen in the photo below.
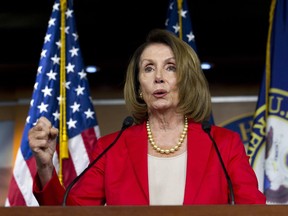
(128, 121)
(206, 126)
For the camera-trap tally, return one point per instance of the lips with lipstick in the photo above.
(160, 93)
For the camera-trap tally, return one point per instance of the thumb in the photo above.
(53, 133)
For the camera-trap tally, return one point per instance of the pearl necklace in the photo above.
(171, 150)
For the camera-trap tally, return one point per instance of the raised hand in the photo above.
(42, 141)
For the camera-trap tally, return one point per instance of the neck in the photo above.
(168, 143)
(166, 122)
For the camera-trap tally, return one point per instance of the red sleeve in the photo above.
(51, 194)
(89, 190)
(243, 177)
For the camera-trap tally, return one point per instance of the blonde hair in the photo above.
(194, 94)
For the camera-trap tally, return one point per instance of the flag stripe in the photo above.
(16, 196)
(21, 184)
(78, 153)
(88, 137)
(69, 172)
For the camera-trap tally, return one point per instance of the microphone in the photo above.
(128, 121)
(206, 126)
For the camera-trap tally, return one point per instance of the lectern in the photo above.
(193, 210)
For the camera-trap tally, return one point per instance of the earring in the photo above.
(141, 95)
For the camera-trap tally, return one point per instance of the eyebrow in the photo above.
(151, 60)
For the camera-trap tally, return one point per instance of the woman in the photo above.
(165, 158)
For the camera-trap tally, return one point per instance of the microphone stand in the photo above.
(126, 123)
(207, 127)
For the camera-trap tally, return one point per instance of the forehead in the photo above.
(156, 49)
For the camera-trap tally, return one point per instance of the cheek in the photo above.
(145, 87)
(175, 91)
(144, 81)
(175, 95)
(173, 86)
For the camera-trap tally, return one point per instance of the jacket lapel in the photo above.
(138, 150)
(198, 150)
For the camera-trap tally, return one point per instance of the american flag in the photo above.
(179, 22)
(180, 26)
(82, 125)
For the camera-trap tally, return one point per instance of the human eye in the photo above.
(148, 68)
(171, 67)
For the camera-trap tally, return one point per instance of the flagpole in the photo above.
(63, 141)
(268, 57)
(179, 6)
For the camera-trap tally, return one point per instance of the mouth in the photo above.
(159, 93)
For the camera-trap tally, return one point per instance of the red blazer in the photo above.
(120, 177)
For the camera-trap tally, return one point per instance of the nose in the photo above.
(159, 77)
(159, 80)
